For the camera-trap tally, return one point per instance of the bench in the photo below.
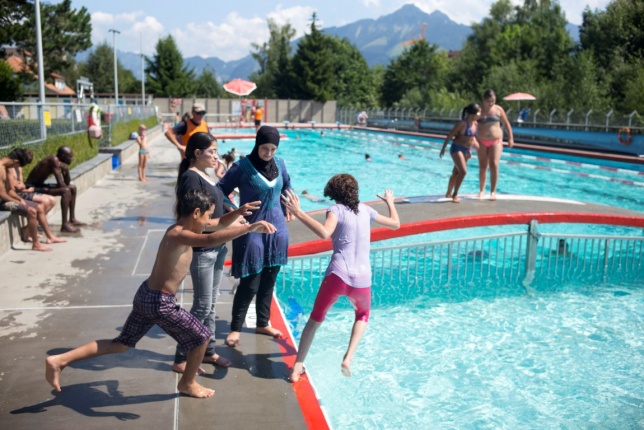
(84, 176)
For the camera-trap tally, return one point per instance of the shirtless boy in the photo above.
(11, 201)
(57, 165)
(154, 302)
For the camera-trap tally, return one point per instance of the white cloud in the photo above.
(299, 17)
(371, 3)
(136, 29)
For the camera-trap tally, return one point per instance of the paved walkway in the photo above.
(83, 291)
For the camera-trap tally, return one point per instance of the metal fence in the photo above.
(29, 123)
(466, 265)
(554, 118)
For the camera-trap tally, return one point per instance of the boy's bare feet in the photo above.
(39, 247)
(269, 331)
(297, 371)
(181, 367)
(217, 359)
(53, 371)
(481, 194)
(194, 389)
(232, 339)
(448, 195)
(455, 199)
(55, 239)
(69, 228)
(492, 196)
(77, 223)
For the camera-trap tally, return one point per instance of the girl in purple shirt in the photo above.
(348, 224)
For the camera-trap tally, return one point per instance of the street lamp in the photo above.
(116, 74)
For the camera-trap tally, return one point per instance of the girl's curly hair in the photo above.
(343, 189)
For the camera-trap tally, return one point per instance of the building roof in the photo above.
(17, 64)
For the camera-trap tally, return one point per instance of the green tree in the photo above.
(10, 86)
(99, 69)
(65, 32)
(353, 84)
(207, 85)
(421, 66)
(165, 74)
(313, 67)
(274, 61)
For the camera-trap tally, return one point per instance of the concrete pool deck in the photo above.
(83, 291)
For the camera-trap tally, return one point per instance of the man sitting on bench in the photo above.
(57, 165)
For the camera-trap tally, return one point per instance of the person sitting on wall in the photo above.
(58, 165)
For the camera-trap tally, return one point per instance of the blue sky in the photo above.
(226, 29)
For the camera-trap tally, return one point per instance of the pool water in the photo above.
(484, 353)
(312, 159)
(488, 354)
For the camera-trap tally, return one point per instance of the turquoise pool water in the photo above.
(479, 353)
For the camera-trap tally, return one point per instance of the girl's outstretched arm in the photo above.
(291, 201)
(392, 221)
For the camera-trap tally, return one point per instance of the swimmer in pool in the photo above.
(347, 223)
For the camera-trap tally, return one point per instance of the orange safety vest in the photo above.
(259, 112)
(192, 129)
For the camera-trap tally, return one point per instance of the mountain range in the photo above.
(379, 40)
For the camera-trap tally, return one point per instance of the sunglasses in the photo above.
(201, 112)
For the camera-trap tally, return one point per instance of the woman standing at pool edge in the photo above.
(490, 138)
(207, 264)
(257, 258)
(349, 271)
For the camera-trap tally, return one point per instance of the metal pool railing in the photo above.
(513, 257)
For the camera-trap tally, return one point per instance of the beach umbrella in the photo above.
(240, 87)
(519, 97)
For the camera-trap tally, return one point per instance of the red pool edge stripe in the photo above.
(304, 391)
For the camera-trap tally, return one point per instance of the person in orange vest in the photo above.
(179, 134)
(259, 113)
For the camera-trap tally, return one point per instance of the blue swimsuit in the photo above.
(459, 148)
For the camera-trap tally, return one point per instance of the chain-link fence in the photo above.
(27, 123)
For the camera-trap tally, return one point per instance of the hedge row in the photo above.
(78, 142)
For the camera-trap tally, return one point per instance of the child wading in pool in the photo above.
(144, 153)
(154, 302)
(349, 271)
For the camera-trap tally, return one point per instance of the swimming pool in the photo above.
(483, 352)
(312, 159)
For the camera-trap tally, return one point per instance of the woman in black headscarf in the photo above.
(257, 258)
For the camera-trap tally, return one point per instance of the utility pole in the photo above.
(41, 74)
(116, 73)
(142, 72)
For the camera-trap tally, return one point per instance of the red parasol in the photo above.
(240, 87)
(519, 96)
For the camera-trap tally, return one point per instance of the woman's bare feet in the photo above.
(493, 196)
(55, 239)
(481, 194)
(181, 367)
(39, 247)
(53, 371)
(232, 339)
(217, 359)
(448, 195)
(194, 389)
(455, 199)
(269, 331)
(297, 371)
